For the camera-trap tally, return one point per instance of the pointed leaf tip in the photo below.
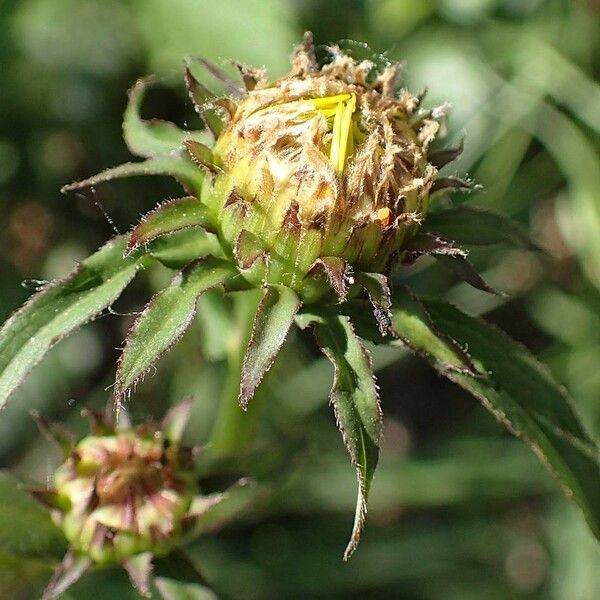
(272, 323)
(356, 406)
(165, 319)
(139, 569)
(67, 573)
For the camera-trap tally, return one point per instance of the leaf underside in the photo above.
(356, 405)
(513, 386)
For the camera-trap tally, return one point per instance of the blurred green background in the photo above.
(460, 510)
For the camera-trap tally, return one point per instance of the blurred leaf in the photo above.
(217, 510)
(170, 589)
(27, 529)
(356, 405)
(217, 31)
(59, 308)
(517, 390)
(477, 226)
(149, 138)
(270, 328)
(165, 319)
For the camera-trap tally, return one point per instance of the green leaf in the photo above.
(149, 138)
(179, 249)
(210, 513)
(166, 318)
(465, 271)
(61, 307)
(168, 217)
(272, 323)
(27, 529)
(176, 165)
(475, 226)
(356, 406)
(170, 589)
(517, 389)
(377, 287)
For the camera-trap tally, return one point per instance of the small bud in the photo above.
(123, 493)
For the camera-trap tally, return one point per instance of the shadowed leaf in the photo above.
(378, 289)
(201, 98)
(463, 268)
(516, 389)
(443, 157)
(356, 405)
(453, 183)
(272, 323)
(475, 226)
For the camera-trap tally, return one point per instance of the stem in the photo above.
(234, 428)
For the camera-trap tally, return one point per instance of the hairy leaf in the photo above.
(518, 391)
(356, 405)
(475, 226)
(272, 323)
(149, 138)
(175, 165)
(377, 287)
(61, 307)
(168, 217)
(463, 268)
(179, 249)
(166, 318)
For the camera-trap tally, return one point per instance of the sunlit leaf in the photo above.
(166, 318)
(168, 217)
(150, 138)
(175, 165)
(272, 322)
(59, 308)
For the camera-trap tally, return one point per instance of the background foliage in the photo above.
(459, 509)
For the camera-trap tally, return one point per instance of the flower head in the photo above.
(327, 162)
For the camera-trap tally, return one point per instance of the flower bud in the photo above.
(326, 162)
(123, 493)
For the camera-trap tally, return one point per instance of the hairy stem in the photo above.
(234, 428)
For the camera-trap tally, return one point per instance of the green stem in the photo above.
(234, 428)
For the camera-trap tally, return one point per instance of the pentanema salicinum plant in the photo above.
(318, 189)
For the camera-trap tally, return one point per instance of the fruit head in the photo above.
(326, 162)
(122, 494)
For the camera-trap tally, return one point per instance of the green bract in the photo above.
(312, 188)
